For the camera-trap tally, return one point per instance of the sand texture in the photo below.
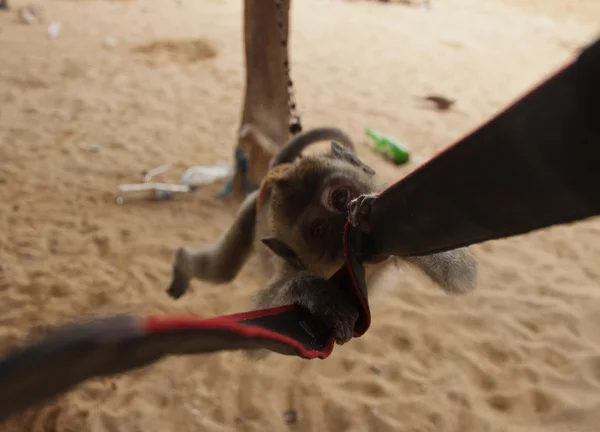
(131, 85)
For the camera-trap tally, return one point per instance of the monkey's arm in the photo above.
(221, 262)
(319, 296)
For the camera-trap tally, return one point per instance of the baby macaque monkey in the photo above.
(296, 222)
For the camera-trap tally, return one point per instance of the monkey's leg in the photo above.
(221, 262)
(319, 296)
(250, 132)
(455, 270)
(259, 150)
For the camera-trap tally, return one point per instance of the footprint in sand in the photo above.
(499, 356)
(591, 369)
(458, 397)
(184, 51)
(539, 401)
(542, 401)
(500, 402)
(590, 326)
(402, 343)
(102, 242)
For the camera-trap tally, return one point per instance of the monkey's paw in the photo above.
(179, 284)
(246, 130)
(324, 300)
(359, 211)
(341, 319)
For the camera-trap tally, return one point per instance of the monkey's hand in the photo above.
(180, 283)
(327, 302)
(359, 211)
(183, 272)
(188, 264)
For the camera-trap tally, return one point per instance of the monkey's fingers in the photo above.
(342, 320)
(329, 304)
(344, 330)
(180, 283)
(359, 211)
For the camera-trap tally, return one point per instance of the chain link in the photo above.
(294, 117)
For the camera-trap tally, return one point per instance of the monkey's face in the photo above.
(321, 226)
(309, 208)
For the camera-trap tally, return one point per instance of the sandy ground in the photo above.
(520, 354)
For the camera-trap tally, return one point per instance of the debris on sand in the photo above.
(30, 14)
(110, 42)
(203, 175)
(290, 417)
(193, 177)
(54, 29)
(147, 175)
(442, 103)
(375, 370)
(389, 146)
(156, 191)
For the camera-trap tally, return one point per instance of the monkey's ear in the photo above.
(283, 251)
(279, 174)
(348, 155)
(340, 151)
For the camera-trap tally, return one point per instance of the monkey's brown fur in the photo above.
(295, 221)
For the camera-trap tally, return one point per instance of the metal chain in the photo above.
(294, 117)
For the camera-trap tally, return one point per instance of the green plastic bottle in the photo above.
(389, 147)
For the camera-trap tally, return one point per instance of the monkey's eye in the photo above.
(335, 198)
(317, 228)
(339, 199)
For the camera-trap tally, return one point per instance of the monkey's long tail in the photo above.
(290, 152)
